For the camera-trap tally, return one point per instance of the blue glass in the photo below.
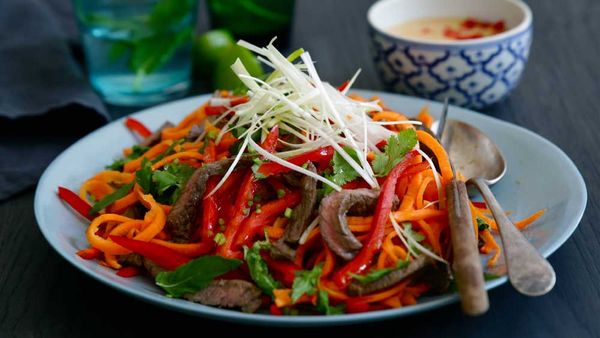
(137, 52)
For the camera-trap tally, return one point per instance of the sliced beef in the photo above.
(285, 247)
(155, 137)
(302, 212)
(282, 250)
(333, 223)
(180, 222)
(234, 293)
(196, 131)
(421, 269)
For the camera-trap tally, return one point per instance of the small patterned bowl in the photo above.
(472, 73)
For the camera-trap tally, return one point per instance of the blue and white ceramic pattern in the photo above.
(471, 73)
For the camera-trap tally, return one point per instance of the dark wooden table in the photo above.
(559, 98)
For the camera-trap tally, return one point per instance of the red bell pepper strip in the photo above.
(241, 212)
(162, 256)
(343, 85)
(480, 205)
(269, 211)
(324, 154)
(241, 207)
(210, 217)
(361, 262)
(137, 126)
(270, 142)
(356, 306)
(284, 269)
(218, 110)
(89, 253)
(128, 272)
(75, 202)
(275, 311)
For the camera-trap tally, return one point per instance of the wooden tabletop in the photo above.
(559, 98)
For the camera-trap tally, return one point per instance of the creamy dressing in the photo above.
(446, 28)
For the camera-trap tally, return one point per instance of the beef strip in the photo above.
(196, 131)
(421, 269)
(285, 247)
(302, 212)
(155, 137)
(181, 219)
(234, 293)
(333, 223)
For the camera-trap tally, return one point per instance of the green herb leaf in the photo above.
(342, 170)
(259, 271)
(306, 282)
(169, 182)
(110, 199)
(324, 307)
(136, 151)
(195, 275)
(374, 275)
(397, 146)
(143, 176)
(482, 225)
(412, 237)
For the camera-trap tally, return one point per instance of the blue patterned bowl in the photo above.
(472, 73)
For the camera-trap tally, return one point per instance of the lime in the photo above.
(208, 48)
(225, 78)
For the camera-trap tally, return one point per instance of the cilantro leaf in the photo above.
(169, 182)
(259, 271)
(136, 151)
(374, 275)
(324, 307)
(306, 282)
(143, 176)
(195, 275)
(412, 237)
(397, 146)
(342, 170)
(166, 184)
(482, 225)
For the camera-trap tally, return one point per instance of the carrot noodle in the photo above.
(184, 127)
(152, 153)
(171, 158)
(95, 188)
(420, 190)
(424, 117)
(439, 152)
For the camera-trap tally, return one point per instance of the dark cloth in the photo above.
(46, 102)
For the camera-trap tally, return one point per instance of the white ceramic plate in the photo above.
(539, 176)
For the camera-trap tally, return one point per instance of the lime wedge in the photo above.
(225, 78)
(208, 48)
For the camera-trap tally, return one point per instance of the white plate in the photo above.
(539, 176)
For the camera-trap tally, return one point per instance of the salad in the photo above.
(293, 197)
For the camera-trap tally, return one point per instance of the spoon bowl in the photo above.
(472, 152)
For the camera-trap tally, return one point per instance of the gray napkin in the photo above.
(45, 100)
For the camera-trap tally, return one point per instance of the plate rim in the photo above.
(313, 320)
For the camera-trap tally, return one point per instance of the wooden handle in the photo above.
(467, 264)
(529, 272)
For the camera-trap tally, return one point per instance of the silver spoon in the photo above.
(479, 159)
